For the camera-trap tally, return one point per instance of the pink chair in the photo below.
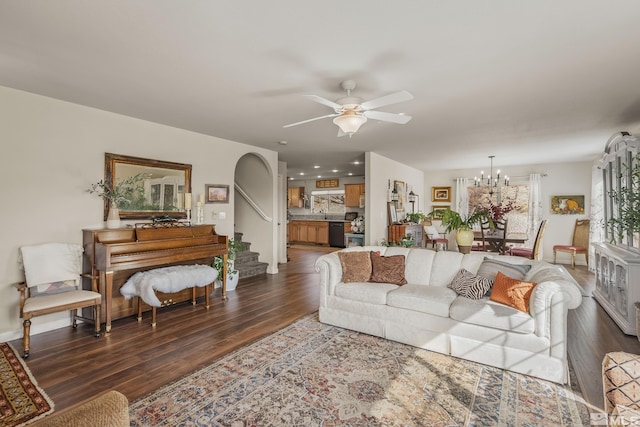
(579, 243)
(531, 253)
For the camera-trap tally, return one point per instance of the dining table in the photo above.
(495, 241)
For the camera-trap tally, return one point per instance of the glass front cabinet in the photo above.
(617, 259)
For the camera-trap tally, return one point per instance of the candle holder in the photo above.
(188, 215)
(199, 214)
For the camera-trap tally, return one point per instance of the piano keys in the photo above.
(111, 256)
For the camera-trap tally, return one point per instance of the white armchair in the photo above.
(52, 273)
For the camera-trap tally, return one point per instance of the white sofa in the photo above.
(425, 313)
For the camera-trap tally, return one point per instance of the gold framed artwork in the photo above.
(441, 194)
(567, 205)
(437, 211)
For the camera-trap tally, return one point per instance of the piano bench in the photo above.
(168, 280)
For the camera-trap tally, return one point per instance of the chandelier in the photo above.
(493, 183)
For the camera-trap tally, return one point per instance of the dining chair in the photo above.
(531, 253)
(481, 245)
(431, 235)
(53, 284)
(579, 242)
(499, 240)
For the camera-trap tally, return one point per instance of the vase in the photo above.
(113, 218)
(464, 239)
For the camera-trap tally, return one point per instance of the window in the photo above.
(327, 201)
(517, 193)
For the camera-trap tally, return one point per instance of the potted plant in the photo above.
(233, 275)
(627, 200)
(416, 217)
(116, 196)
(453, 221)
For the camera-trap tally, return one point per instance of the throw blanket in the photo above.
(168, 280)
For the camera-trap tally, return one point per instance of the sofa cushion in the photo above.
(426, 299)
(484, 312)
(469, 285)
(512, 292)
(387, 269)
(372, 293)
(356, 266)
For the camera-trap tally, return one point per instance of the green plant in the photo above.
(416, 217)
(121, 193)
(407, 241)
(452, 220)
(627, 200)
(233, 247)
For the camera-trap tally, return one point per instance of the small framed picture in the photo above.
(440, 194)
(216, 193)
(393, 214)
(438, 211)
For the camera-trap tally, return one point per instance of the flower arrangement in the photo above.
(498, 212)
(120, 194)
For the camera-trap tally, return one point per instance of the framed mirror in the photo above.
(158, 187)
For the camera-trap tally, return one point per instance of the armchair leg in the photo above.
(26, 340)
(554, 256)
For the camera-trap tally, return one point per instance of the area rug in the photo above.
(311, 374)
(21, 400)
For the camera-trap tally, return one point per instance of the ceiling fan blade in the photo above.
(387, 117)
(325, 101)
(393, 98)
(310, 120)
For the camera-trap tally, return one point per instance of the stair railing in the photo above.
(252, 203)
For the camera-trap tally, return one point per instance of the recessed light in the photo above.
(335, 170)
(319, 176)
(301, 173)
(350, 173)
(356, 162)
(283, 142)
(316, 167)
(291, 179)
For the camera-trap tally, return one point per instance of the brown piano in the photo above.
(111, 256)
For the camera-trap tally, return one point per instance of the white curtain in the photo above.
(535, 207)
(462, 196)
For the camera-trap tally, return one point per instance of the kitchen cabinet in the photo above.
(295, 197)
(316, 232)
(398, 231)
(354, 195)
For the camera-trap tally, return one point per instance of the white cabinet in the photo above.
(618, 284)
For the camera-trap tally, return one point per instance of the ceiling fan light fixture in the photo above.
(350, 122)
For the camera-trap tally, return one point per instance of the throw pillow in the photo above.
(512, 292)
(356, 266)
(387, 269)
(490, 268)
(468, 285)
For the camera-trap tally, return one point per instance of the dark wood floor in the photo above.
(136, 359)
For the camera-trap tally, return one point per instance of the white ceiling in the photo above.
(531, 82)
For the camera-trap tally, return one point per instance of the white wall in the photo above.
(53, 150)
(379, 171)
(562, 178)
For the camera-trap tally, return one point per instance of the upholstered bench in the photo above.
(144, 285)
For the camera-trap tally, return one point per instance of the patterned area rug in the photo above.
(21, 400)
(311, 374)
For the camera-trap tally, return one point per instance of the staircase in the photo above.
(247, 262)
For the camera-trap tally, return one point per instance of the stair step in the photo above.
(252, 269)
(246, 257)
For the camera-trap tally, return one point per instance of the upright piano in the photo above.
(111, 256)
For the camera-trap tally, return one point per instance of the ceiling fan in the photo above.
(351, 112)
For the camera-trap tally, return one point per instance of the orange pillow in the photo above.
(512, 292)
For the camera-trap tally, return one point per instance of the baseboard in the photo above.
(36, 329)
